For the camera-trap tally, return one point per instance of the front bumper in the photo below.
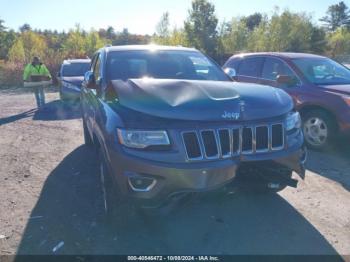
(172, 179)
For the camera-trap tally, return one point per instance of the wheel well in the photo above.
(306, 109)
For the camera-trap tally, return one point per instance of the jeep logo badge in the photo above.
(230, 115)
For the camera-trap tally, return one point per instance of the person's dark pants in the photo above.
(39, 96)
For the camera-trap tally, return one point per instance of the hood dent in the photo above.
(201, 100)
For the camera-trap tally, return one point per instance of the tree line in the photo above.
(283, 30)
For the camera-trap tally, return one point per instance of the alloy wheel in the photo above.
(316, 131)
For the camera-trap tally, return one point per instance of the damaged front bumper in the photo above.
(153, 182)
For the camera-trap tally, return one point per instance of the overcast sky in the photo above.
(136, 15)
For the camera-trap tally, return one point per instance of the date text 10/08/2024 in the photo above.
(173, 258)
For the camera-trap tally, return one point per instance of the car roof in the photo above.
(288, 55)
(72, 61)
(146, 47)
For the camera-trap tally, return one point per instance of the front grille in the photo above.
(262, 138)
(192, 145)
(211, 148)
(227, 142)
(247, 140)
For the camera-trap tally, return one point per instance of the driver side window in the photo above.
(274, 67)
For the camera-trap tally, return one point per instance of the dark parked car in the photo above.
(70, 77)
(167, 121)
(319, 86)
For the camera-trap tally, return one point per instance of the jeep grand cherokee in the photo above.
(168, 121)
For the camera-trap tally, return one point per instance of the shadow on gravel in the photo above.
(58, 110)
(10, 119)
(239, 223)
(334, 163)
(55, 110)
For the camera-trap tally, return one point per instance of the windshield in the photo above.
(163, 65)
(75, 69)
(323, 71)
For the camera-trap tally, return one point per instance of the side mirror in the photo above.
(231, 72)
(58, 74)
(286, 80)
(89, 79)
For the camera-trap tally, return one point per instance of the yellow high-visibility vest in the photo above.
(37, 70)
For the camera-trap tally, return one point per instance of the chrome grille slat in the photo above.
(254, 139)
(212, 143)
(186, 147)
(247, 139)
(206, 143)
(222, 154)
(282, 139)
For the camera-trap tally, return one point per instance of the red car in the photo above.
(320, 88)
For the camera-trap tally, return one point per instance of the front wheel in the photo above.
(319, 129)
(115, 206)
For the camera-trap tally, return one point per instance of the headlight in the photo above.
(292, 121)
(142, 138)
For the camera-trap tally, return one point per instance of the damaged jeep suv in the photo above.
(168, 121)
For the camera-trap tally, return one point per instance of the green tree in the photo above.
(93, 43)
(162, 28)
(7, 38)
(338, 15)
(235, 37)
(162, 35)
(259, 38)
(318, 40)
(2, 27)
(28, 45)
(34, 45)
(253, 20)
(16, 52)
(339, 43)
(74, 46)
(122, 38)
(24, 28)
(178, 38)
(288, 31)
(110, 33)
(200, 27)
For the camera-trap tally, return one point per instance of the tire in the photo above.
(319, 130)
(87, 138)
(115, 206)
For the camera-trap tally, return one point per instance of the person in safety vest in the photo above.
(37, 72)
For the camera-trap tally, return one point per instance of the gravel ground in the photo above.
(50, 193)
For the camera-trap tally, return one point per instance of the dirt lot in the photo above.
(49, 192)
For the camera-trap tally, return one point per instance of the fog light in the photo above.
(141, 184)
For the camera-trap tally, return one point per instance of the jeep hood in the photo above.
(201, 100)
